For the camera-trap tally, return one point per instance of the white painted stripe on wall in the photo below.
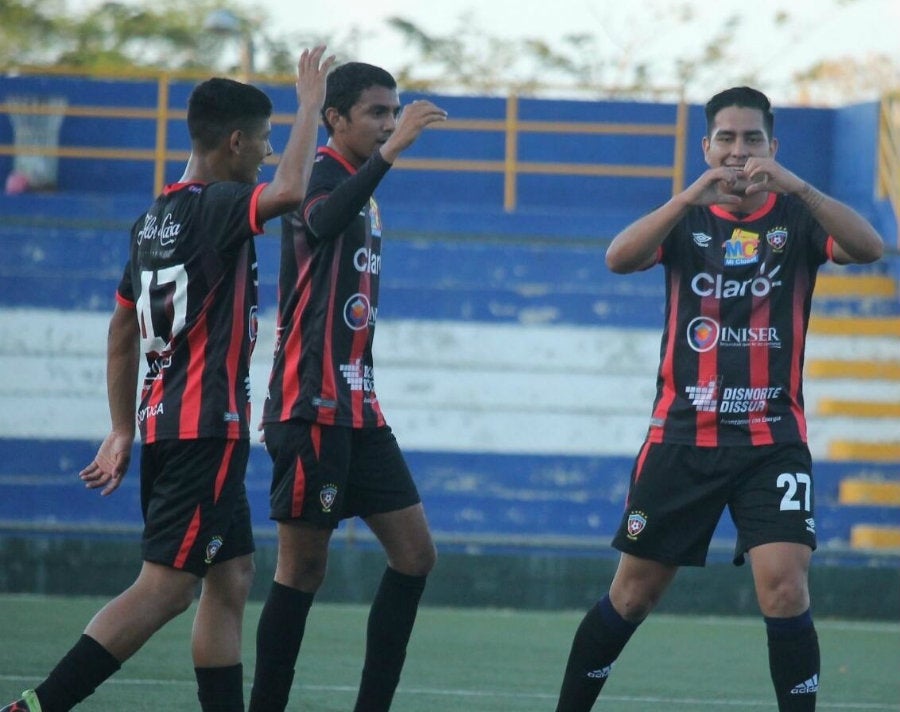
(450, 386)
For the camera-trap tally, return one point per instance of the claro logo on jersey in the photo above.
(705, 284)
(358, 313)
(367, 261)
(704, 334)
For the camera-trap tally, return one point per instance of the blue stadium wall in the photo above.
(834, 148)
(531, 511)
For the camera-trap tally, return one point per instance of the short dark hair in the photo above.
(744, 97)
(347, 82)
(218, 106)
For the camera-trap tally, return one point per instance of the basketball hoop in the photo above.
(36, 122)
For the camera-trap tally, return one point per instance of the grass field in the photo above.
(473, 660)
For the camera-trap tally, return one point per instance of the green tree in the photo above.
(616, 56)
(627, 56)
(164, 34)
(29, 29)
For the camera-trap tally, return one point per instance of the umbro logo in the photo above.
(809, 687)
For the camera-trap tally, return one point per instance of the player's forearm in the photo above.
(636, 246)
(854, 235)
(288, 186)
(122, 365)
(330, 217)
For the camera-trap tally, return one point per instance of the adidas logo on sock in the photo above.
(807, 688)
(600, 674)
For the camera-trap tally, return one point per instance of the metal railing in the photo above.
(511, 126)
(511, 167)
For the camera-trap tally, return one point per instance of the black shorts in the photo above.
(325, 473)
(194, 503)
(678, 494)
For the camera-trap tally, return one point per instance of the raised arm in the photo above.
(635, 247)
(329, 217)
(413, 120)
(288, 186)
(856, 240)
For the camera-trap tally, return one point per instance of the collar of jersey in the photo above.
(720, 212)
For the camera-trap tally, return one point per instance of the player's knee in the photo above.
(425, 560)
(634, 600)
(247, 571)
(240, 579)
(417, 560)
(306, 573)
(179, 600)
(635, 608)
(783, 597)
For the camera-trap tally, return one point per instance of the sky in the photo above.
(639, 30)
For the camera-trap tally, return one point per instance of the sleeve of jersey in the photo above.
(256, 226)
(125, 290)
(329, 213)
(664, 253)
(230, 212)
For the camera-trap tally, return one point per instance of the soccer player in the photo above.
(188, 301)
(740, 248)
(333, 454)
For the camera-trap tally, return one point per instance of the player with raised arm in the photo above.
(187, 300)
(333, 454)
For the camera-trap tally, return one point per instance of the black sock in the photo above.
(794, 662)
(597, 643)
(221, 689)
(391, 620)
(278, 637)
(76, 676)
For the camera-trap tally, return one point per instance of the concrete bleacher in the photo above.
(516, 370)
(518, 376)
(484, 500)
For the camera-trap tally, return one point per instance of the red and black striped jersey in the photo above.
(738, 296)
(192, 280)
(328, 299)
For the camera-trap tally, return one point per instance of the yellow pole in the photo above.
(162, 127)
(511, 153)
(681, 123)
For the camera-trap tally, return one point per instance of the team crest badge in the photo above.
(213, 548)
(327, 495)
(636, 523)
(777, 238)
